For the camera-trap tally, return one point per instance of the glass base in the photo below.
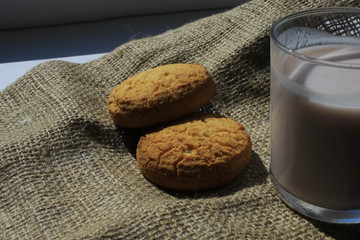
(316, 212)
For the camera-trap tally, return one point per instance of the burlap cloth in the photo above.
(67, 172)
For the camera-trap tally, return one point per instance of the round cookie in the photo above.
(200, 152)
(160, 95)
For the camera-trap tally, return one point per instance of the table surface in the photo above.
(21, 49)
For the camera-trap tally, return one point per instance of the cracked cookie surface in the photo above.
(200, 152)
(160, 95)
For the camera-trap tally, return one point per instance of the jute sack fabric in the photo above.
(66, 172)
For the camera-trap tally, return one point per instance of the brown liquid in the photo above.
(315, 146)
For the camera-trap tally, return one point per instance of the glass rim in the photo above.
(307, 13)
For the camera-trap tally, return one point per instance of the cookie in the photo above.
(200, 152)
(160, 95)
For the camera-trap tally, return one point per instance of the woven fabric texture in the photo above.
(66, 172)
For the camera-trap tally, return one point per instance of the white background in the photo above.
(23, 47)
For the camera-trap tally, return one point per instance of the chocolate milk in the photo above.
(315, 128)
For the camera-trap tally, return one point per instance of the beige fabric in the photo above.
(66, 172)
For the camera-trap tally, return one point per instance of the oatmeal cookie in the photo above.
(200, 152)
(160, 95)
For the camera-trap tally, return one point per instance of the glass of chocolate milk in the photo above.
(315, 113)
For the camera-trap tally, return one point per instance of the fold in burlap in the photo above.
(67, 172)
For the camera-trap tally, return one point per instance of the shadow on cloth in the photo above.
(333, 230)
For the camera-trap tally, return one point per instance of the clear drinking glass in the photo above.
(315, 113)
